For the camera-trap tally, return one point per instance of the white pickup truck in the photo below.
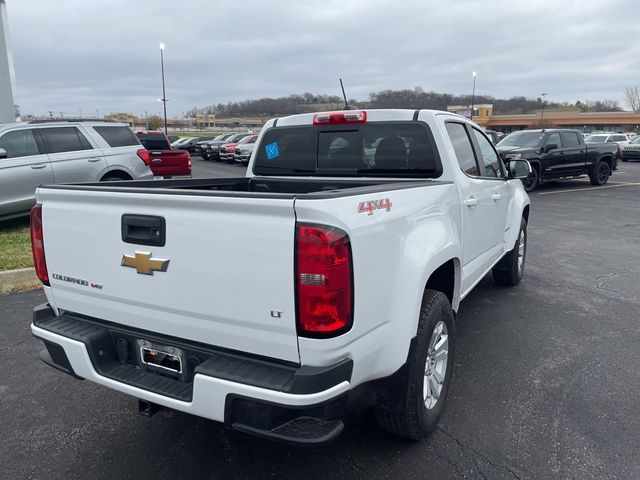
(332, 271)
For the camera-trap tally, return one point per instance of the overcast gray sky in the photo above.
(90, 54)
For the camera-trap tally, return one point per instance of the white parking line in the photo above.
(591, 188)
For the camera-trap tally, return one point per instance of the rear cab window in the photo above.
(117, 136)
(154, 141)
(399, 149)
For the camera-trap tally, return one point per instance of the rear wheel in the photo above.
(111, 178)
(600, 174)
(429, 366)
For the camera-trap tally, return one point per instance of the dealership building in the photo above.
(552, 118)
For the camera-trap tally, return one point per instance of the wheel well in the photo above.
(118, 174)
(443, 279)
(525, 214)
(608, 160)
(535, 164)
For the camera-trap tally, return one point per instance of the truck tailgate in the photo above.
(170, 162)
(228, 283)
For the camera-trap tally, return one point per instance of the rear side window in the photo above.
(117, 136)
(374, 149)
(19, 143)
(64, 139)
(569, 139)
(153, 141)
(462, 147)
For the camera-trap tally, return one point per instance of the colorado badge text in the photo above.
(144, 264)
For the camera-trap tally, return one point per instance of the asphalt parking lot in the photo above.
(546, 381)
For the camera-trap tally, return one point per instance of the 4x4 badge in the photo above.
(144, 264)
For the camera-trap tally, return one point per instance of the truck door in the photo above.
(493, 171)
(483, 202)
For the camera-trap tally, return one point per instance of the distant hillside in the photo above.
(408, 98)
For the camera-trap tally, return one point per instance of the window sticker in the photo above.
(272, 150)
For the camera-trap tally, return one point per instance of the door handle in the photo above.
(471, 201)
(496, 197)
(38, 166)
(157, 154)
(155, 161)
(94, 159)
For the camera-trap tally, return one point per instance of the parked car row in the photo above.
(228, 147)
(189, 143)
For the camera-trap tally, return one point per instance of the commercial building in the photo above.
(552, 117)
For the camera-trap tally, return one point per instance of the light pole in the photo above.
(164, 95)
(544, 98)
(473, 94)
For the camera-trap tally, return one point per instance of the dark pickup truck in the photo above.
(165, 161)
(556, 154)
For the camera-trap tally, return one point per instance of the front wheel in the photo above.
(600, 174)
(429, 366)
(531, 182)
(509, 270)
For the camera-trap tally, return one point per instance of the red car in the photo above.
(164, 161)
(227, 149)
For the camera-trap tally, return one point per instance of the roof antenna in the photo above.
(346, 105)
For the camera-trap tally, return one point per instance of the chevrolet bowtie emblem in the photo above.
(143, 263)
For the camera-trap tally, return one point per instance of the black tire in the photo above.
(509, 271)
(111, 178)
(601, 173)
(531, 182)
(413, 420)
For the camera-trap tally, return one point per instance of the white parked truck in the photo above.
(334, 268)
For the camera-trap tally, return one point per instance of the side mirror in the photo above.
(519, 169)
(550, 146)
(3, 153)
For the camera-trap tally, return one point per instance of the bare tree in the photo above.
(632, 95)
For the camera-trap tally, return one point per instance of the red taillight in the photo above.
(323, 281)
(143, 153)
(37, 244)
(337, 118)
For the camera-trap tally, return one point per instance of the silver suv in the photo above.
(45, 152)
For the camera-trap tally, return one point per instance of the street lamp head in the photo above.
(474, 74)
(162, 46)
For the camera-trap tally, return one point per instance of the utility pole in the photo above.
(164, 95)
(473, 94)
(544, 98)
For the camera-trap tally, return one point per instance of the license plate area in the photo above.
(161, 359)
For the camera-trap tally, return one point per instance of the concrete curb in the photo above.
(22, 279)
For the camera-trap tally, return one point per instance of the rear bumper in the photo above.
(295, 404)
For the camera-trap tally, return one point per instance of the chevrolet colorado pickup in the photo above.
(556, 154)
(355, 236)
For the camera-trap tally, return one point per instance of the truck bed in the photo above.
(271, 187)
